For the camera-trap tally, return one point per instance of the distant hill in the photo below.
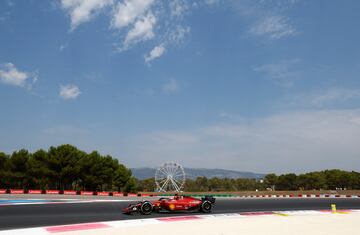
(192, 173)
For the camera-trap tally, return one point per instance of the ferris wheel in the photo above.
(170, 177)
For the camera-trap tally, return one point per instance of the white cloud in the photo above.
(135, 21)
(82, 11)
(69, 91)
(10, 3)
(155, 53)
(170, 87)
(326, 97)
(137, 17)
(274, 27)
(63, 47)
(225, 115)
(298, 141)
(128, 11)
(178, 7)
(284, 73)
(212, 2)
(267, 18)
(276, 5)
(142, 30)
(177, 35)
(142, 20)
(10, 75)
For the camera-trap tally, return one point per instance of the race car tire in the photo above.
(146, 208)
(206, 206)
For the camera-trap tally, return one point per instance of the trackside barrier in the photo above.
(52, 191)
(69, 192)
(103, 193)
(2, 191)
(32, 191)
(17, 191)
(116, 194)
(86, 193)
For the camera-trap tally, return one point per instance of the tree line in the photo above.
(67, 168)
(320, 180)
(328, 180)
(64, 168)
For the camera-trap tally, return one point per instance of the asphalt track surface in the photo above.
(24, 216)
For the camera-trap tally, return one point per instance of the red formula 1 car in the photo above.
(175, 204)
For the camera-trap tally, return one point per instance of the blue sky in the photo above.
(266, 86)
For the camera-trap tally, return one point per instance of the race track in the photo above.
(33, 215)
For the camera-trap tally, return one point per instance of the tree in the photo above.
(122, 176)
(190, 185)
(3, 169)
(287, 182)
(130, 186)
(17, 166)
(90, 171)
(107, 171)
(202, 183)
(146, 185)
(336, 178)
(39, 171)
(64, 162)
(354, 180)
(271, 180)
(248, 184)
(312, 180)
(63, 167)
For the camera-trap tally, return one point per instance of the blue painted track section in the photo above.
(6, 202)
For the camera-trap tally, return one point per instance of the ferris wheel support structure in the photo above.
(170, 177)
